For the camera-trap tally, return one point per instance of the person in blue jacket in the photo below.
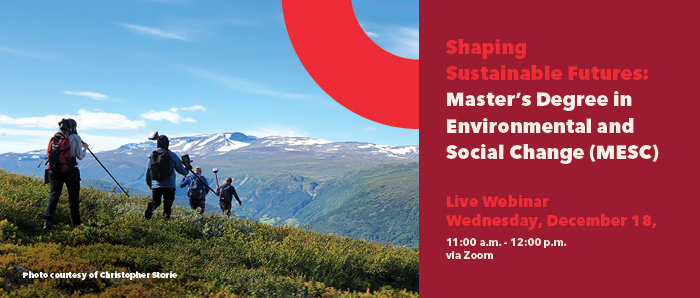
(197, 189)
(160, 177)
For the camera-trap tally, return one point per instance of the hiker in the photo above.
(225, 191)
(64, 148)
(160, 177)
(197, 189)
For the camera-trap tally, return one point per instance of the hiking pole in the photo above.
(216, 170)
(185, 160)
(110, 175)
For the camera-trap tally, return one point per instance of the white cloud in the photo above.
(102, 142)
(245, 85)
(86, 120)
(50, 121)
(170, 115)
(21, 140)
(102, 120)
(274, 130)
(398, 40)
(156, 32)
(407, 41)
(25, 140)
(92, 95)
(29, 133)
(30, 54)
(370, 128)
(194, 108)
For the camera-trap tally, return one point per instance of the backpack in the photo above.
(225, 194)
(196, 188)
(161, 165)
(60, 158)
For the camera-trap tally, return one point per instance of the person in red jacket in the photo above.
(65, 148)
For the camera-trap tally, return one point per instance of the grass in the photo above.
(212, 255)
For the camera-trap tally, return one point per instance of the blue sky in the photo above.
(182, 67)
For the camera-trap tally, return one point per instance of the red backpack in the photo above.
(60, 157)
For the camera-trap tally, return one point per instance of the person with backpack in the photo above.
(197, 189)
(160, 177)
(64, 149)
(226, 192)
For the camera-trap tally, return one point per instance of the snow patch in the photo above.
(187, 147)
(178, 144)
(292, 141)
(232, 145)
(402, 150)
(209, 140)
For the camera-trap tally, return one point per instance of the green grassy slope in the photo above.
(211, 255)
(379, 204)
(278, 196)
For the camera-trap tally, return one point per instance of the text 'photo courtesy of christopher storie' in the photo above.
(181, 149)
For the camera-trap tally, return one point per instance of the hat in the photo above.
(68, 124)
(163, 141)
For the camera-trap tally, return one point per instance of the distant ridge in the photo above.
(281, 180)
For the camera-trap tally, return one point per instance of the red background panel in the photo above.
(597, 261)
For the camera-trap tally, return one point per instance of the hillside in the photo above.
(328, 186)
(379, 204)
(211, 255)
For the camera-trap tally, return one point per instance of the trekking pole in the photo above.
(110, 175)
(216, 170)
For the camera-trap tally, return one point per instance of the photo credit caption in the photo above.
(98, 274)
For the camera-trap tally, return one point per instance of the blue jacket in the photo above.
(170, 181)
(186, 182)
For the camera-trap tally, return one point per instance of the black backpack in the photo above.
(196, 188)
(60, 158)
(225, 194)
(161, 165)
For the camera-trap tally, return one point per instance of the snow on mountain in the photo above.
(210, 145)
(233, 145)
(292, 141)
(203, 146)
(196, 146)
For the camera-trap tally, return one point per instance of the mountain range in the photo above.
(347, 188)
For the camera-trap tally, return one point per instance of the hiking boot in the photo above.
(47, 226)
(149, 211)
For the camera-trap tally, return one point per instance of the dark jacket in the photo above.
(225, 196)
(170, 181)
